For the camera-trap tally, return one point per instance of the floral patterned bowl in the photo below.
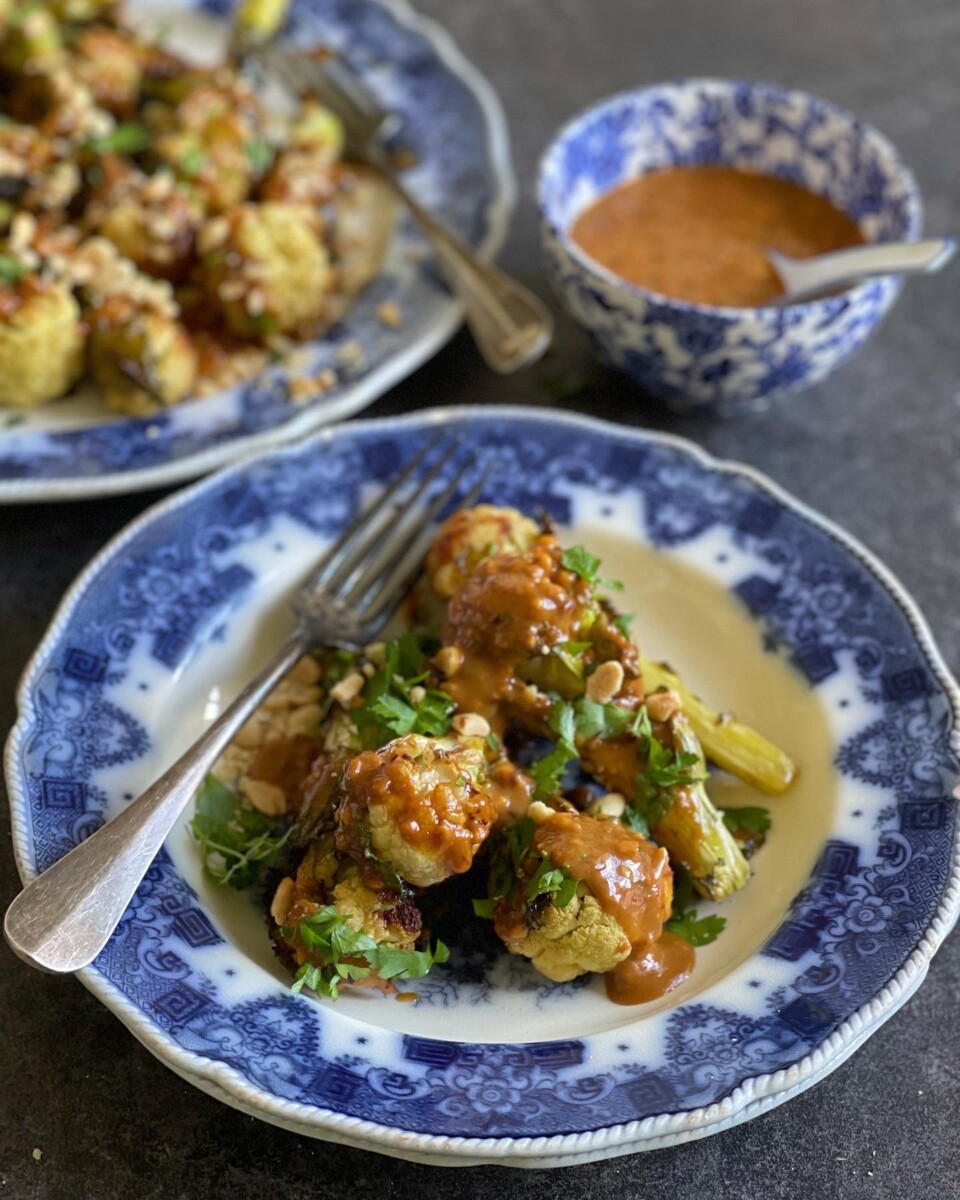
(702, 358)
(854, 890)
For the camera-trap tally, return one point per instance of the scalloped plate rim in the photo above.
(392, 371)
(752, 1097)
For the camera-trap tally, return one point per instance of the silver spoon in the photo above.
(805, 278)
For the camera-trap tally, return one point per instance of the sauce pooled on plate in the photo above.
(700, 233)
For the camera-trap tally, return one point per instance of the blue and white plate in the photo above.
(453, 124)
(763, 606)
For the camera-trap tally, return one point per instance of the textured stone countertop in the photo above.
(876, 448)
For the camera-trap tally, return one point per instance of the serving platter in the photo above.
(765, 608)
(454, 132)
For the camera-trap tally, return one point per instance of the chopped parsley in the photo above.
(665, 770)
(579, 560)
(347, 953)
(129, 137)
(547, 772)
(697, 931)
(510, 865)
(683, 919)
(388, 708)
(11, 270)
(237, 842)
(753, 821)
(582, 719)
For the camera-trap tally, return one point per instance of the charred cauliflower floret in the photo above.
(267, 269)
(419, 804)
(151, 220)
(574, 894)
(471, 535)
(41, 340)
(576, 940)
(141, 358)
(212, 142)
(334, 927)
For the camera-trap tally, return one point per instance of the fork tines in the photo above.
(375, 561)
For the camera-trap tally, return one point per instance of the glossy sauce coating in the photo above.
(435, 808)
(629, 877)
(700, 233)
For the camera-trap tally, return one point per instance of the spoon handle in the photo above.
(808, 277)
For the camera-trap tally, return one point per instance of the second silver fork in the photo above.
(63, 919)
(510, 325)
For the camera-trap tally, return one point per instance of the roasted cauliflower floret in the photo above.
(329, 918)
(41, 341)
(514, 605)
(267, 269)
(305, 171)
(151, 219)
(142, 359)
(212, 143)
(575, 894)
(573, 941)
(35, 178)
(419, 804)
(471, 535)
(108, 61)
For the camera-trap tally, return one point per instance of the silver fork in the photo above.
(510, 325)
(63, 918)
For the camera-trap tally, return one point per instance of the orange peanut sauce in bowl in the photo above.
(700, 234)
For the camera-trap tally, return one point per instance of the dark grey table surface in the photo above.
(876, 448)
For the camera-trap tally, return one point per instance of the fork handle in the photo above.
(64, 918)
(510, 325)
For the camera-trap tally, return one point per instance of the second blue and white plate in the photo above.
(764, 607)
(451, 122)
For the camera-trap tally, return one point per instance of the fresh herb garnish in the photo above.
(665, 770)
(11, 270)
(237, 842)
(347, 953)
(751, 820)
(548, 771)
(552, 881)
(683, 919)
(586, 719)
(129, 137)
(510, 865)
(579, 560)
(697, 931)
(388, 708)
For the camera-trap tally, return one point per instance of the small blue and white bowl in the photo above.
(698, 357)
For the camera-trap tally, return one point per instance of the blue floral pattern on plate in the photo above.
(703, 358)
(453, 125)
(854, 943)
